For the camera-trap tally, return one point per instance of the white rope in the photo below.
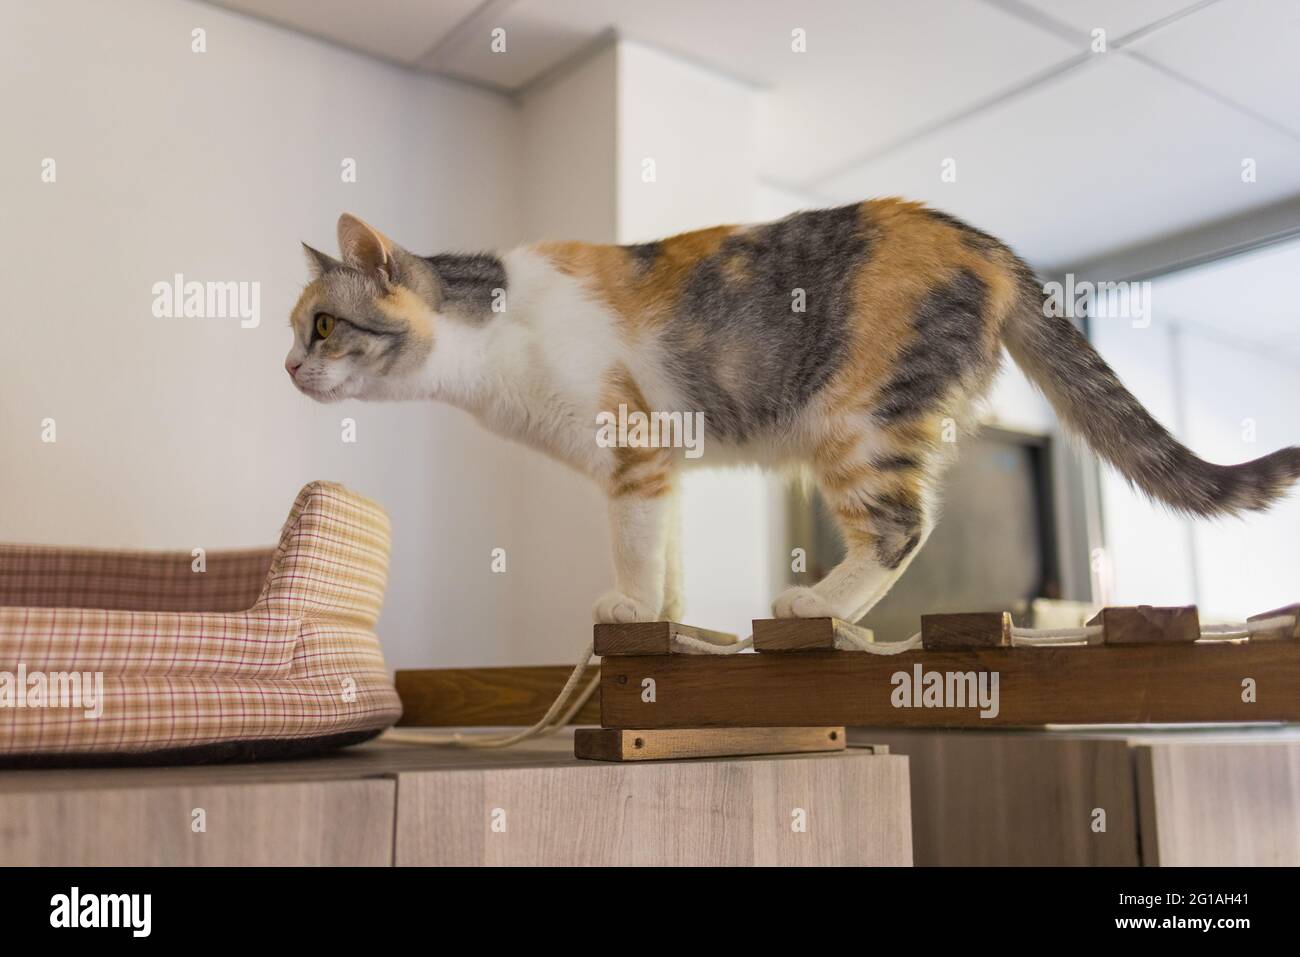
(1045, 637)
(857, 643)
(1049, 637)
(550, 723)
(1223, 633)
(713, 648)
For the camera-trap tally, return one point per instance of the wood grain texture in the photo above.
(808, 634)
(1219, 805)
(378, 758)
(983, 629)
(1272, 634)
(653, 638)
(1116, 684)
(485, 697)
(722, 813)
(248, 825)
(615, 744)
(1148, 624)
(1008, 798)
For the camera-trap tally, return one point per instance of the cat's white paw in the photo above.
(673, 608)
(800, 602)
(616, 608)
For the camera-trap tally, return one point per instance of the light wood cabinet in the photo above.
(383, 803)
(1220, 803)
(302, 823)
(848, 808)
(1169, 797)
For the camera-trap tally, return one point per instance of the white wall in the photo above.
(559, 551)
(1147, 546)
(1205, 389)
(186, 432)
(1248, 565)
(697, 128)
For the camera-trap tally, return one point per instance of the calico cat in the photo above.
(842, 341)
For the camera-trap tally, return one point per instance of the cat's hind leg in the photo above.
(884, 509)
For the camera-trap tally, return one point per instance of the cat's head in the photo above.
(363, 327)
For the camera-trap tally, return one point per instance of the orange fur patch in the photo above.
(911, 254)
(640, 472)
(642, 298)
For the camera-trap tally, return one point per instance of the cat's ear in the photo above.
(366, 248)
(318, 262)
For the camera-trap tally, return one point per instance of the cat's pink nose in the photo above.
(292, 366)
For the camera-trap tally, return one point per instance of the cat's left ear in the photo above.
(366, 248)
(318, 262)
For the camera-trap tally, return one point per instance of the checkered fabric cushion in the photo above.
(270, 645)
(43, 576)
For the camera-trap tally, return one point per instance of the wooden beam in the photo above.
(1148, 624)
(618, 744)
(807, 634)
(653, 638)
(1116, 684)
(485, 697)
(981, 629)
(1292, 633)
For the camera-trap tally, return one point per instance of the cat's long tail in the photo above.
(1092, 402)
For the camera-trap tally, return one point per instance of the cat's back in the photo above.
(753, 321)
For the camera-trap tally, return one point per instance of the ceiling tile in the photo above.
(399, 30)
(538, 37)
(1248, 51)
(874, 70)
(885, 71)
(1111, 154)
(1116, 17)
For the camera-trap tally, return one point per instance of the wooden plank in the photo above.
(1148, 624)
(982, 629)
(1116, 684)
(621, 744)
(731, 812)
(1219, 805)
(485, 697)
(808, 634)
(1291, 634)
(653, 638)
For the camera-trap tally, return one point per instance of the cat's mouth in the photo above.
(334, 394)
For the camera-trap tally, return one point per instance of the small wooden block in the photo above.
(618, 744)
(1292, 633)
(980, 629)
(1148, 624)
(653, 638)
(808, 634)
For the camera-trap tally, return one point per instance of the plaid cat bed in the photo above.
(167, 657)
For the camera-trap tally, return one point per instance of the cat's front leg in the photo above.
(674, 598)
(639, 531)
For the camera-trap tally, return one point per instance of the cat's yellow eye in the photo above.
(324, 324)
